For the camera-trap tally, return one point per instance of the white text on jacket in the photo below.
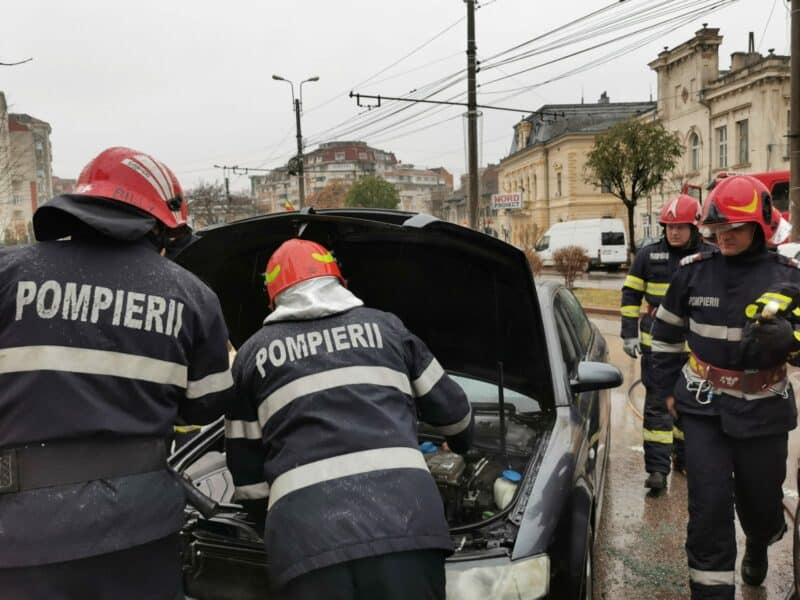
(334, 339)
(89, 303)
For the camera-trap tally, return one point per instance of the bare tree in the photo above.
(207, 204)
(570, 261)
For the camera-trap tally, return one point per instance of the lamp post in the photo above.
(297, 102)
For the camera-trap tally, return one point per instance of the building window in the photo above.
(677, 95)
(362, 156)
(694, 149)
(742, 141)
(533, 192)
(558, 184)
(338, 156)
(605, 187)
(722, 144)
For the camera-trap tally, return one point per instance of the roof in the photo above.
(25, 119)
(555, 120)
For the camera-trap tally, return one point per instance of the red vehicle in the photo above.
(777, 183)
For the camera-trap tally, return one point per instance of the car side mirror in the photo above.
(593, 376)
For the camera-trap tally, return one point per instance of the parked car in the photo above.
(605, 241)
(531, 363)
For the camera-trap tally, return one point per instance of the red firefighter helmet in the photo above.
(740, 199)
(295, 261)
(135, 178)
(683, 210)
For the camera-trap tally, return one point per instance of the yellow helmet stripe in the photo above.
(748, 208)
(323, 258)
(270, 276)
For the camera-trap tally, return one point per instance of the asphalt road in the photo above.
(639, 547)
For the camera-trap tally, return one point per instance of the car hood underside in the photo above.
(470, 297)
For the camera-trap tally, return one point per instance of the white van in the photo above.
(604, 240)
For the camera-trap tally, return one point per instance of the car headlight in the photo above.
(519, 580)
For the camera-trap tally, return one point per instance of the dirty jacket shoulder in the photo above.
(325, 423)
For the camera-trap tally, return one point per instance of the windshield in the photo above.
(478, 391)
(544, 243)
(612, 238)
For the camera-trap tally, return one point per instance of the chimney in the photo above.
(604, 99)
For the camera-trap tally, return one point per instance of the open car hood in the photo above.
(469, 296)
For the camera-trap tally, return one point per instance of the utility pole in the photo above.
(472, 115)
(298, 103)
(225, 169)
(302, 179)
(794, 134)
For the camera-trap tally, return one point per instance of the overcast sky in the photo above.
(190, 82)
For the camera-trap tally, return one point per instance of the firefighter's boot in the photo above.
(754, 563)
(656, 481)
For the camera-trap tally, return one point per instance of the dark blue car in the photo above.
(531, 363)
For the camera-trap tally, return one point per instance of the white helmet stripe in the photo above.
(144, 172)
(165, 173)
(152, 166)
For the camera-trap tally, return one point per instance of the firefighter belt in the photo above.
(745, 382)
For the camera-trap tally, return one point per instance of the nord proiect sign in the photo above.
(506, 201)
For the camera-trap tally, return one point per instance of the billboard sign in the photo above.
(506, 201)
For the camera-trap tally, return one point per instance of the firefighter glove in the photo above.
(767, 342)
(631, 347)
(781, 300)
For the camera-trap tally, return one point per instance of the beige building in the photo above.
(547, 166)
(733, 120)
(417, 187)
(5, 167)
(332, 161)
(28, 168)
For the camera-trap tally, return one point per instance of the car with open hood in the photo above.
(523, 504)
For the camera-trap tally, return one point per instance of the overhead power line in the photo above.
(392, 65)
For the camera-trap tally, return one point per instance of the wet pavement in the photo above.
(639, 546)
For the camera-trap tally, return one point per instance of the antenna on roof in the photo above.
(581, 94)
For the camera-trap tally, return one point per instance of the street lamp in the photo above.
(297, 102)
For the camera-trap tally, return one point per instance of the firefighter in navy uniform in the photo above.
(735, 306)
(649, 279)
(103, 343)
(325, 424)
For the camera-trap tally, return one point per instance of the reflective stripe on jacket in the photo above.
(101, 338)
(325, 423)
(705, 306)
(648, 279)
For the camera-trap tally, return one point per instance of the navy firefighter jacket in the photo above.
(325, 424)
(705, 307)
(649, 278)
(101, 339)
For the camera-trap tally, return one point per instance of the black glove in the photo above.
(767, 343)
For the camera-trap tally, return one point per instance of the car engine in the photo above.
(473, 486)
